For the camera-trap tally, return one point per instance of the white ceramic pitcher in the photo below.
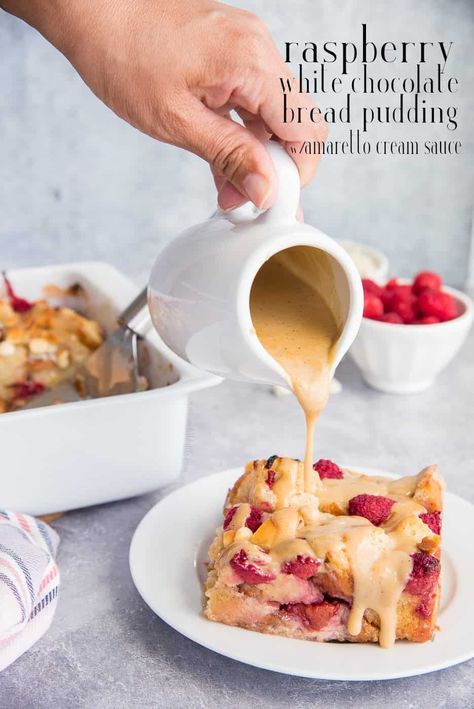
(200, 285)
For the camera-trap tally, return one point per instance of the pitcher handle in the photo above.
(284, 209)
(288, 186)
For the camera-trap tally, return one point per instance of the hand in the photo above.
(175, 70)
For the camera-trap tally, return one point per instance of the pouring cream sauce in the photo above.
(298, 327)
(295, 324)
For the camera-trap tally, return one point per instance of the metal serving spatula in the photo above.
(114, 366)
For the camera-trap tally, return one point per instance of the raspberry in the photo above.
(373, 306)
(441, 305)
(432, 520)
(426, 280)
(19, 305)
(372, 287)
(253, 521)
(428, 320)
(400, 300)
(316, 615)
(392, 318)
(229, 516)
(386, 299)
(301, 566)
(424, 575)
(405, 310)
(375, 508)
(319, 615)
(248, 572)
(271, 477)
(392, 283)
(401, 292)
(328, 469)
(23, 390)
(425, 608)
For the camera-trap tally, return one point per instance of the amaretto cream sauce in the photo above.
(295, 324)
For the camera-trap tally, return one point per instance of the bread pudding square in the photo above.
(358, 560)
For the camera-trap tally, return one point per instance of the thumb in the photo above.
(232, 152)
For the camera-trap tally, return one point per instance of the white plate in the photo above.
(167, 561)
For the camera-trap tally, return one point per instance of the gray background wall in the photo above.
(78, 183)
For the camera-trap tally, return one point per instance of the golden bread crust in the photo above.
(40, 348)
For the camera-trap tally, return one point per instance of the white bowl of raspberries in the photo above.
(410, 331)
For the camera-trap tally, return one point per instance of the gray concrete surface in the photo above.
(107, 649)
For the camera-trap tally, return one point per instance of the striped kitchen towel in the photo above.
(29, 581)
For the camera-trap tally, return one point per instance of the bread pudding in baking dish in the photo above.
(353, 558)
(40, 346)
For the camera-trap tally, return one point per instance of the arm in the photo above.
(174, 70)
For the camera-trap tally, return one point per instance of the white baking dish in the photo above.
(88, 452)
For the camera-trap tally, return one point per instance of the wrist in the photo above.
(62, 22)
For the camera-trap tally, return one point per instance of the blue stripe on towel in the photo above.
(44, 602)
(8, 582)
(22, 566)
(46, 536)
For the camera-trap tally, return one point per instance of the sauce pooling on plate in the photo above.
(296, 325)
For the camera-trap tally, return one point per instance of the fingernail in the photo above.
(234, 206)
(229, 197)
(259, 190)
